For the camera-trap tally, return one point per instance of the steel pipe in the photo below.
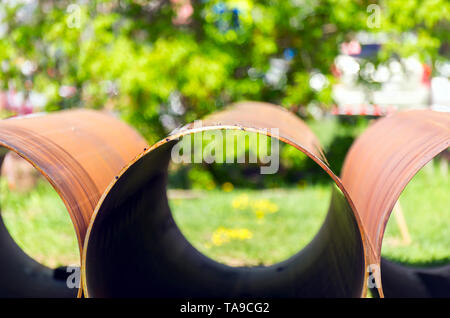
(379, 165)
(133, 247)
(79, 152)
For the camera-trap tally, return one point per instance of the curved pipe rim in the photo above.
(190, 131)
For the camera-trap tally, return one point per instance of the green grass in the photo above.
(274, 235)
(426, 207)
(235, 235)
(40, 224)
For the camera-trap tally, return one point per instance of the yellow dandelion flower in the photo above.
(227, 187)
(220, 236)
(260, 214)
(223, 235)
(240, 234)
(265, 206)
(241, 202)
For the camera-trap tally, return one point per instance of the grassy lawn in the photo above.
(243, 227)
(250, 227)
(426, 207)
(40, 224)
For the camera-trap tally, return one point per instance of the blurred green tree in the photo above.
(162, 63)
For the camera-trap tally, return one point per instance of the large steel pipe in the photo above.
(133, 247)
(79, 152)
(377, 168)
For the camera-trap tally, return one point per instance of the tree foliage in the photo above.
(130, 55)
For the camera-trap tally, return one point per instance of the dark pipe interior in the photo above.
(22, 276)
(401, 281)
(135, 249)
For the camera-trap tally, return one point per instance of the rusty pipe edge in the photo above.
(378, 166)
(133, 247)
(79, 152)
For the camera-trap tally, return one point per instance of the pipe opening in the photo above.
(238, 216)
(37, 238)
(135, 248)
(416, 246)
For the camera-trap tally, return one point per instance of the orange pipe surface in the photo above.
(79, 152)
